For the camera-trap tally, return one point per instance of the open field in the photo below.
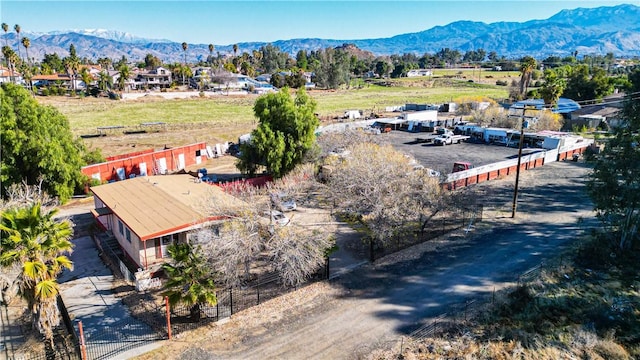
(373, 98)
(224, 118)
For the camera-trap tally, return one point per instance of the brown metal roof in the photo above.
(153, 206)
(62, 77)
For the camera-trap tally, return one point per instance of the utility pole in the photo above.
(515, 189)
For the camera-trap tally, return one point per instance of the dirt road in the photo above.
(379, 304)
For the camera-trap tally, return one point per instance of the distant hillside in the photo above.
(595, 31)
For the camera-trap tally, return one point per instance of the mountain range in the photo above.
(593, 31)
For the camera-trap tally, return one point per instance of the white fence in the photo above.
(528, 161)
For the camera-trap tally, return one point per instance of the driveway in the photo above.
(109, 329)
(377, 305)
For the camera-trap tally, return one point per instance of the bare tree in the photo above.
(494, 116)
(247, 242)
(296, 253)
(334, 142)
(222, 77)
(380, 186)
(233, 245)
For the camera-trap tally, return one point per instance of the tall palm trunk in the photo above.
(17, 29)
(26, 50)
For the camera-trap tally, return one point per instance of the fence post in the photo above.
(371, 255)
(168, 312)
(217, 307)
(83, 346)
(327, 270)
(231, 300)
(493, 296)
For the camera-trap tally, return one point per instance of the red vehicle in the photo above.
(461, 166)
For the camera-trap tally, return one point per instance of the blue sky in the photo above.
(229, 22)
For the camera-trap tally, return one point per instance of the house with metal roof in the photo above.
(592, 116)
(563, 106)
(148, 213)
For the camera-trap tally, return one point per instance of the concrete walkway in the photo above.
(109, 328)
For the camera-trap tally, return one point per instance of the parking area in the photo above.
(441, 158)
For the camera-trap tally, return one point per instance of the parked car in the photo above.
(461, 166)
(450, 138)
(279, 218)
(283, 202)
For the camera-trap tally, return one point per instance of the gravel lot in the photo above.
(441, 158)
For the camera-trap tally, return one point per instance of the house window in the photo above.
(120, 227)
(128, 235)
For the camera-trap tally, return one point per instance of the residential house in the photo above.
(159, 77)
(62, 80)
(264, 78)
(419, 72)
(201, 77)
(129, 83)
(593, 116)
(242, 82)
(148, 213)
(7, 76)
(563, 107)
(94, 70)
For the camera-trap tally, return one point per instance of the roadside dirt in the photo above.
(379, 304)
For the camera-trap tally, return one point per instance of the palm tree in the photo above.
(190, 279)
(125, 72)
(211, 47)
(72, 65)
(33, 239)
(527, 65)
(235, 50)
(9, 55)
(553, 87)
(185, 46)
(27, 74)
(5, 28)
(16, 27)
(26, 43)
(105, 81)
(86, 77)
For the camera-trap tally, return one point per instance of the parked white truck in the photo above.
(449, 138)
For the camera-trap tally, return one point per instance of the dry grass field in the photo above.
(223, 118)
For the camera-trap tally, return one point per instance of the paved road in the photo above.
(87, 293)
(385, 303)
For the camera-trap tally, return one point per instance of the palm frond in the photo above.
(46, 289)
(34, 270)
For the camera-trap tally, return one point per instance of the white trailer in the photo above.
(420, 116)
(496, 136)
